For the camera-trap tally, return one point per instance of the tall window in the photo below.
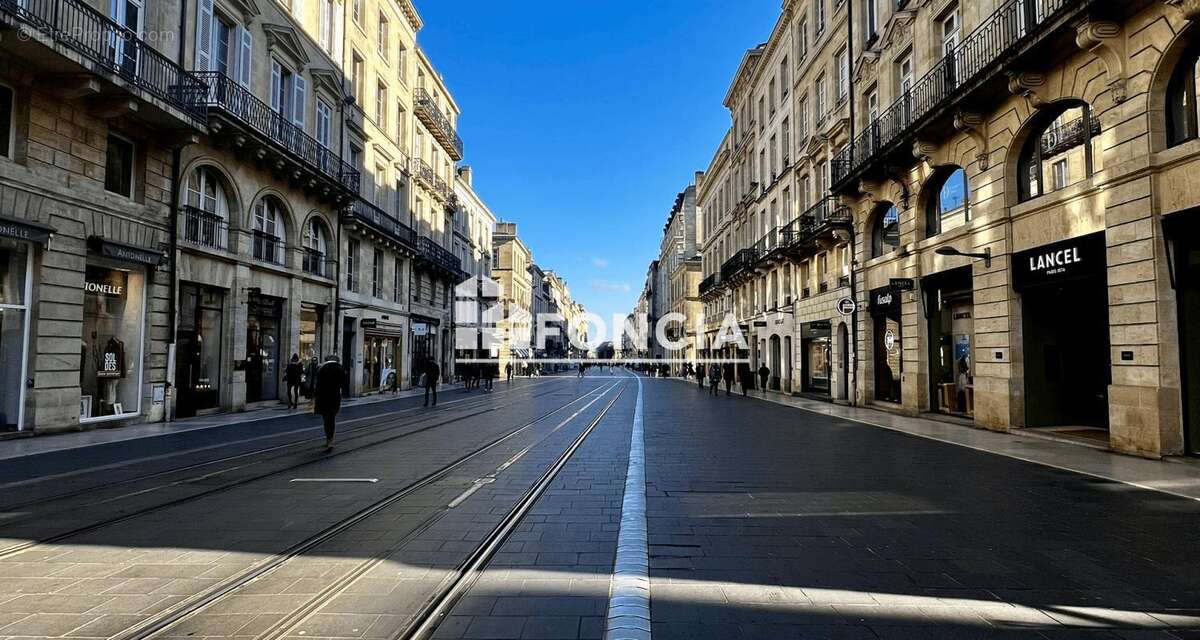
(377, 274)
(325, 24)
(315, 248)
(872, 19)
(819, 100)
(268, 229)
(950, 28)
(381, 105)
(1182, 110)
(288, 93)
(352, 265)
(1063, 147)
(397, 280)
(383, 43)
(785, 131)
(356, 11)
(948, 203)
(802, 118)
(324, 118)
(843, 74)
(784, 80)
(208, 208)
(818, 18)
(885, 235)
(802, 38)
(118, 166)
(357, 81)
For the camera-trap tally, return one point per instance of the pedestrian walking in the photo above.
(727, 375)
(508, 372)
(432, 374)
(763, 374)
(579, 373)
(327, 395)
(745, 377)
(489, 374)
(699, 373)
(293, 375)
(714, 377)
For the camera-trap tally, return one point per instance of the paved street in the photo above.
(501, 515)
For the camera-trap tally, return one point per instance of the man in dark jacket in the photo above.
(745, 377)
(727, 375)
(328, 395)
(432, 374)
(764, 373)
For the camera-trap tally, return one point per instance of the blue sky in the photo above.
(583, 120)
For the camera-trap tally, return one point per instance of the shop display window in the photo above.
(111, 349)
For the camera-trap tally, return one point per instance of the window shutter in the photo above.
(276, 83)
(245, 57)
(300, 89)
(204, 27)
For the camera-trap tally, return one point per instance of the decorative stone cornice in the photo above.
(974, 126)
(286, 40)
(1105, 39)
(1026, 84)
(1189, 8)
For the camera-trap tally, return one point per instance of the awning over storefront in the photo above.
(24, 230)
(126, 252)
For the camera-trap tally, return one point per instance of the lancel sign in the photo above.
(1060, 261)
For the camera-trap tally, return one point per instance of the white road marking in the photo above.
(470, 490)
(372, 480)
(629, 592)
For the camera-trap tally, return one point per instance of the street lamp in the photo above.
(952, 251)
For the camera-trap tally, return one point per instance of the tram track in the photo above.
(477, 401)
(27, 545)
(158, 624)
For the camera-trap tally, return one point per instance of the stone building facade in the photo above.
(775, 252)
(1011, 233)
(89, 142)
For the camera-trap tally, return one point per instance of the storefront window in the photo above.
(198, 361)
(14, 272)
(312, 332)
(111, 351)
(952, 334)
(263, 320)
(816, 345)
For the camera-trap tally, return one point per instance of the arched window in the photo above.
(206, 211)
(1062, 149)
(268, 230)
(315, 240)
(885, 234)
(1181, 99)
(949, 202)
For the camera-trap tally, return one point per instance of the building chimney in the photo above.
(464, 174)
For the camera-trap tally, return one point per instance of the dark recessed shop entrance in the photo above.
(1064, 306)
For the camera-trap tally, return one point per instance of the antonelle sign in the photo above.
(104, 288)
(1060, 261)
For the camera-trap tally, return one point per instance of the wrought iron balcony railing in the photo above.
(434, 255)
(741, 261)
(226, 94)
(268, 248)
(711, 282)
(976, 56)
(315, 263)
(825, 214)
(203, 229)
(768, 243)
(381, 221)
(439, 125)
(432, 181)
(113, 47)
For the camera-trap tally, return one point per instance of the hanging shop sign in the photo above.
(125, 252)
(1060, 261)
(24, 230)
(846, 306)
(884, 299)
(902, 284)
